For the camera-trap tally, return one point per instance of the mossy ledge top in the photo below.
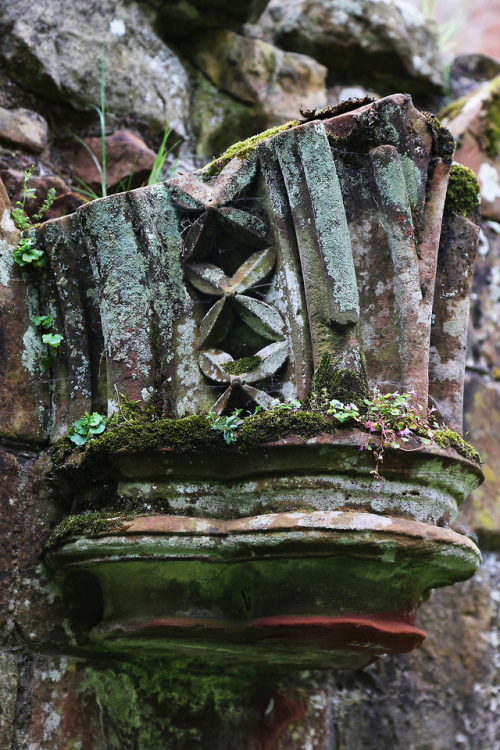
(242, 149)
(194, 434)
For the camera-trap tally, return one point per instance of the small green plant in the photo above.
(26, 253)
(343, 412)
(156, 173)
(87, 427)
(18, 214)
(43, 321)
(159, 163)
(49, 200)
(292, 404)
(52, 340)
(393, 416)
(227, 425)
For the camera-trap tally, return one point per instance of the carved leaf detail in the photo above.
(200, 237)
(260, 317)
(216, 323)
(234, 180)
(211, 364)
(222, 402)
(260, 397)
(208, 279)
(243, 226)
(253, 271)
(273, 357)
(184, 199)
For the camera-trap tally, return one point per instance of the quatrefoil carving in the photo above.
(232, 297)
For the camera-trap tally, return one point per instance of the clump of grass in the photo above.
(155, 175)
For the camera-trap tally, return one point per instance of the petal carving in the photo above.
(216, 323)
(262, 399)
(208, 278)
(260, 317)
(273, 357)
(200, 237)
(243, 226)
(253, 271)
(211, 364)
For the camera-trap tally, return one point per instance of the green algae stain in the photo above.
(462, 196)
(150, 704)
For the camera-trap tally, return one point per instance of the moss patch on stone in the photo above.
(152, 703)
(462, 196)
(243, 149)
(192, 433)
(273, 425)
(86, 524)
(443, 143)
(240, 366)
(491, 132)
(333, 382)
(447, 438)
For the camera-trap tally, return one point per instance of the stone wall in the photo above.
(215, 74)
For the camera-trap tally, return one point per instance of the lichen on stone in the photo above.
(462, 196)
(243, 149)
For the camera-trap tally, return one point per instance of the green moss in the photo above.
(187, 434)
(443, 144)
(333, 382)
(359, 140)
(273, 425)
(246, 364)
(243, 149)
(194, 434)
(149, 704)
(333, 110)
(446, 438)
(86, 524)
(491, 132)
(453, 109)
(61, 450)
(462, 196)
